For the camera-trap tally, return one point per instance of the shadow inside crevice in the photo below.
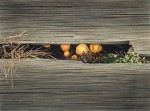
(57, 53)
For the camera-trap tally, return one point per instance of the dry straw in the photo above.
(17, 53)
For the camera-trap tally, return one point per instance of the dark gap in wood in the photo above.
(54, 51)
(58, 53)
(106, 49)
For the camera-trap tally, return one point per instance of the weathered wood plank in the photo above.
(141, 46)
(69, 21)
(73, 86)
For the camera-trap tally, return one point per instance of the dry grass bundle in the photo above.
(17, 52)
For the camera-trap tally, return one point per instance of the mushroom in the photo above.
(95, 48)
(74, 57)
(47, 45)
(66, 53)
(65, 47)
(82, 48)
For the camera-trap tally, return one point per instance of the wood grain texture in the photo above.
(58, 85)
(78, 21)
(54, 85)
(141, 46)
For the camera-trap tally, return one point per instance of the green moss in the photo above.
(132, 58)
(127, 58)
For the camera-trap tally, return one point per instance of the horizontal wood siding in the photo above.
(76, 21)
(57, 85)
(141, 46)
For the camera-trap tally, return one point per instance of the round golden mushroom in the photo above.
(65, 47)
(82, 48)
(66, 53)
(46, 45)
(95, 48)
(74, 57)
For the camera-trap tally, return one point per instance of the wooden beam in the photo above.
(142, 46)
(96, 21)
(71, 85)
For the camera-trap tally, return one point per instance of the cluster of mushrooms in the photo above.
(80, 50)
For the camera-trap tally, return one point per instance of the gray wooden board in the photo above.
(76, 21)
(59, 85)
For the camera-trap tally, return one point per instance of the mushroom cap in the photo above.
(65, 47)
(66, 53)
(47, 45)
(82, 48)
(95, 48)
(74, 57)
